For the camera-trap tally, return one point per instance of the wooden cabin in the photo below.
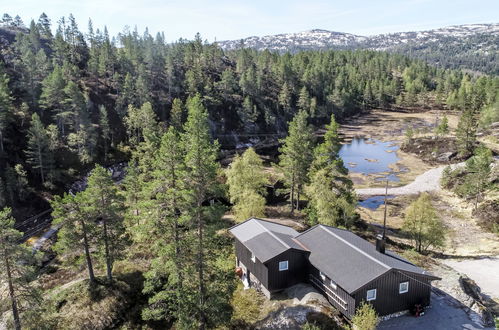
(344, 267)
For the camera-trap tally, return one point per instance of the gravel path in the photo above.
(426, 182)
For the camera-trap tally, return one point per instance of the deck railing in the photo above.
(328, 291)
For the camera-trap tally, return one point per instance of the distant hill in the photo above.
(472, 46)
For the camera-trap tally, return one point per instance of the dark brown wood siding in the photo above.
(296, 273)
(388, 299)
(338, 297)
(256, 268)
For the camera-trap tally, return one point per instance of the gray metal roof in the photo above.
(348, 259)
(265, 239)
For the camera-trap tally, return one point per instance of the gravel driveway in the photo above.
(445, 313)
(426, 182)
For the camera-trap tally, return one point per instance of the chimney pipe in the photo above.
(380, 243)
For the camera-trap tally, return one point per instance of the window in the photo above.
(371, 294)
(322, 275)
(333, 285)
(403, 287)
(253, 258)
(283, 265)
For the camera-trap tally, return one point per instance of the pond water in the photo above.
(374, 202)
(370, 156)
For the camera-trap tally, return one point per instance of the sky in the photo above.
(235, 19)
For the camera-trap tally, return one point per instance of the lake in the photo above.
(370, 156)
(374, 202)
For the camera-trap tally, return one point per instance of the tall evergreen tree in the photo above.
(466, 132)
(6, 107)
(104, 205)
(105, 131)
(78, 229)
(39, 154)
(296, 156)
(52, 97)
(168, 240)
(16, 270)
(202, 168)
(331, 196)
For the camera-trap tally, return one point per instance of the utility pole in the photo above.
(384, 217)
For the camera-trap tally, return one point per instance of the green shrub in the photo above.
(365, 317)
(246, 305)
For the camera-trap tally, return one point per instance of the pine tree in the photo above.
(478, 171)
(466, 132)
(246, 179)
(78, 229)
(16, 270)
(44, 26)
(39, 154)
(83, 137)
(165, 234)
(443, 127)
(296, 156)
(202, 168)
(104, 205)
(141, 123)
(105, 130)
(6, 106)
(53, 96)
(177, 114)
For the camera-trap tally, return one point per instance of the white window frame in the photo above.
(406, 288)
(372, 298)
(322, 275)
(283, 265)
(333, 284)
(253, 258)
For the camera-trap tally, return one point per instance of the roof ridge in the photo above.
(272, 234)
(355, 247)
(305, 231)
(300, 244)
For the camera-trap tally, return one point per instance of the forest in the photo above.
(73, 102)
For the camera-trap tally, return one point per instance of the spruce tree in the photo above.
(296, 156)
(331, 196)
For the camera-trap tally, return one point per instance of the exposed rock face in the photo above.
(464, 293)
(445, 157)
(477, 302)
